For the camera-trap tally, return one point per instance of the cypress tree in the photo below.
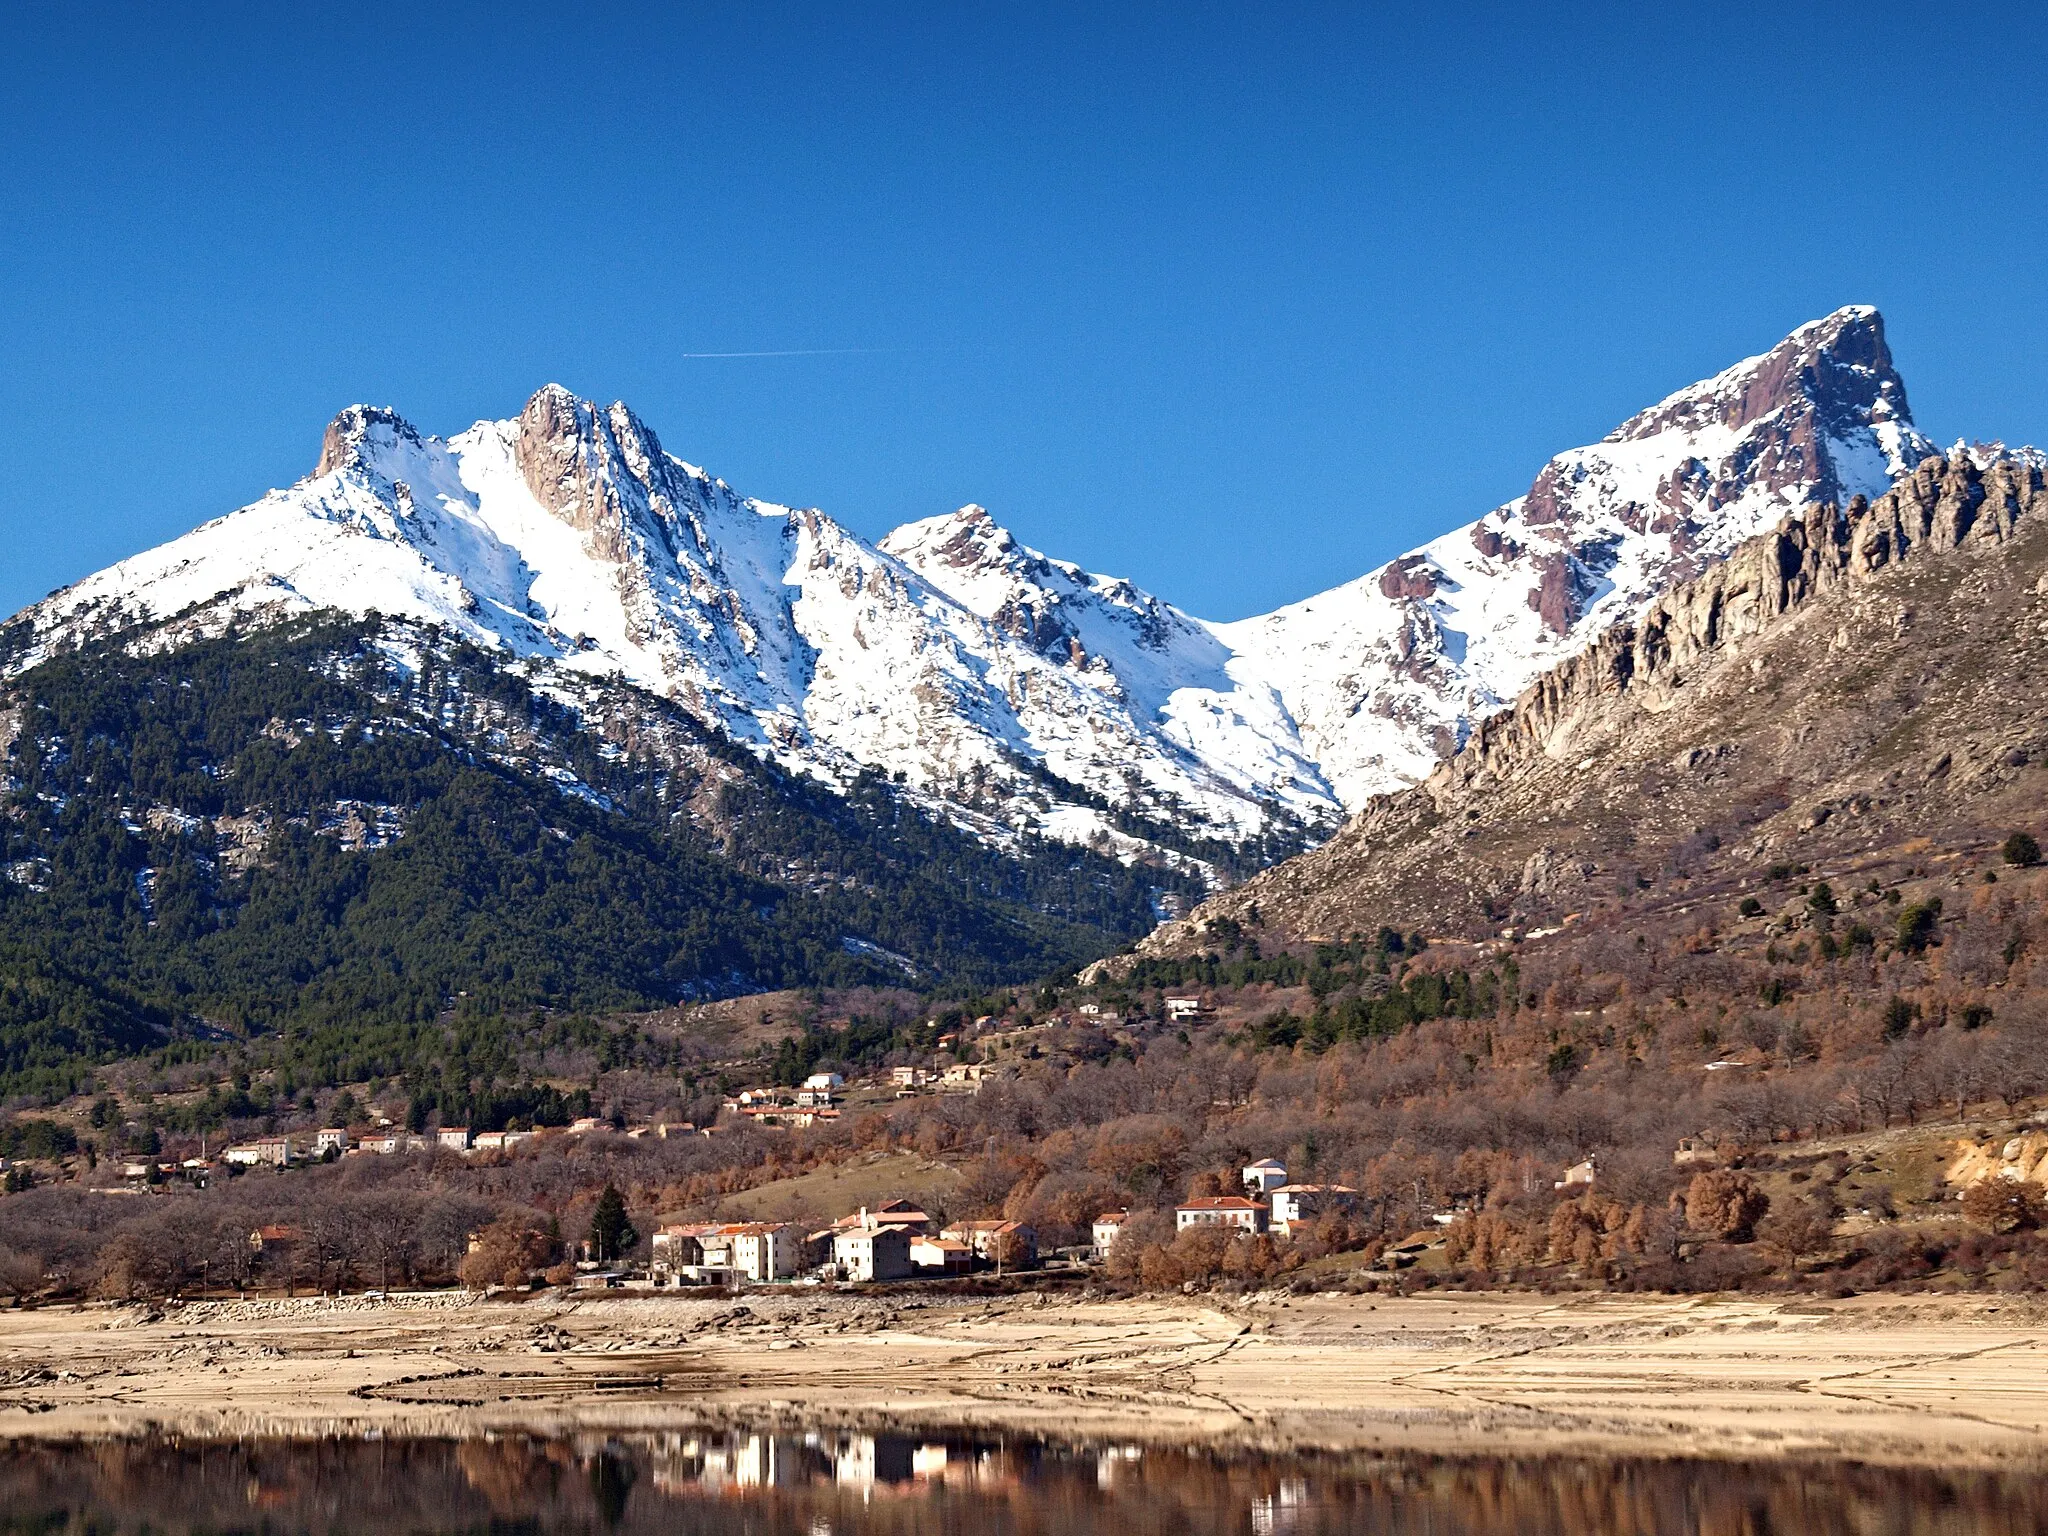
(611, 1229)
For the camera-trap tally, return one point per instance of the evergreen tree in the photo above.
(612, 1235)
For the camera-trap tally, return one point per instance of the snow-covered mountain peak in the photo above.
(567, 537)
(1054, 607)
(1385, 675)
(1838, 367)
(361, 434)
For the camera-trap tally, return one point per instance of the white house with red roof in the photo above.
(1220, 1211)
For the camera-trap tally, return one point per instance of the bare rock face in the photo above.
(1494, 544)
(1559, 593)
(1944, 505)
(1409, 576)
(596, 472)
(342, 444)
(1839, 686)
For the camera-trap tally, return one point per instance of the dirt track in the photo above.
(1887, 1378)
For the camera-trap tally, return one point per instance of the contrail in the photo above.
(803, 352)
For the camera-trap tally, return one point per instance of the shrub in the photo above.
(1917, 925)
(1898, 1017)
(1750, 907)
(1822, 901)
(2021, 850)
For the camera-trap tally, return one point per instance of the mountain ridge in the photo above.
(1386, 674)
(1013, 692)
(1823, 692)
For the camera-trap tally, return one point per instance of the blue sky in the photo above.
(1235, 301)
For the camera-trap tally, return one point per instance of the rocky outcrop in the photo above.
(1408, 577)
(1559, 594)
(596, 472)
(1942, 505)
(341, 445)
(2023, 1159)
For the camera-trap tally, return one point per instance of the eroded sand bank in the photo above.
(1892, 1378)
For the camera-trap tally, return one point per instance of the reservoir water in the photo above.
(839, 1483)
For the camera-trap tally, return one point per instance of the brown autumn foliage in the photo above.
(2004, 1205)
(1473, 1115)
(510, 1251)
(1798, 1229)
(1725, 1204)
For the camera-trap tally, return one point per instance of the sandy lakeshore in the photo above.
(1878, 1378)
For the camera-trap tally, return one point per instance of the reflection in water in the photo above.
(836, 1483)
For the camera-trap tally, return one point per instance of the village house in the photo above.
(1011, 1244)
(670, 1249)
(890, 1213)
(192, 1169)
(276, 1240)
(335, 1137)
(1263, 1177)
(681, 1251)
(814, 1098)
(865, 1254)
(911, 1078)
(941, 1255)
(271, 1149)
(824, 1082)
(1296, 1205)
(1220, 1210)
(583, 1125)
(454, 1137)
(1181, 1009)
(793, 1117)
(717, 1242)
(765, 1251)
(1579, 1175)
(1107, 1227)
